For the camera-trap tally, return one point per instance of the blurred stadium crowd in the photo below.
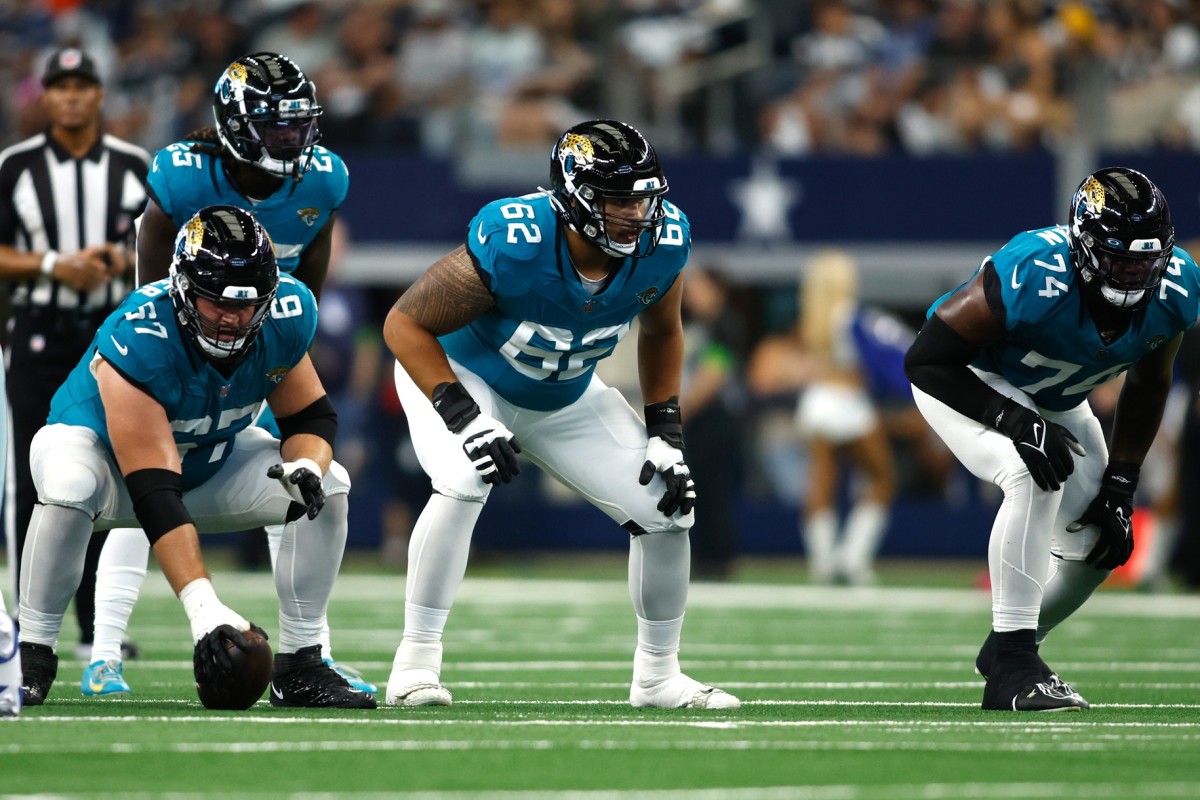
(852, 78)
(831, 76)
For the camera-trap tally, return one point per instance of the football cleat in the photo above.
(1017, 684)
(352, 677)
(103, 677)
(416, 687)
(39, 668)
(1033, 697)
(985, 661)
(304, 679)
(681, 691)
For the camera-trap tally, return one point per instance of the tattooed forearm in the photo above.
(448, 296)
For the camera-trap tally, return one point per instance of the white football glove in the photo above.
(492, 448)
(667, 460)
(302, 480)
(213, 615)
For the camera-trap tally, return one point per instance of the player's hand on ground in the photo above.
(1111, 511)
(211, 654)
(492, 448)
(212, 615)
(1044, 446)
(667, 460)
(302, 480)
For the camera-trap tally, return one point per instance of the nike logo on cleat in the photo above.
(275, 691)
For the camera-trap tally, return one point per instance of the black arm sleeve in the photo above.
(318, 418)
(937, 365)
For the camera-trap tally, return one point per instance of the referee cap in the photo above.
(67, 62)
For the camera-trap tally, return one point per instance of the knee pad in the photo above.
(70, 484)
(336, 480)
(660, 524)
(468, 487)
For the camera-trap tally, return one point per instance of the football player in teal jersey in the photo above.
(262, 156)
(1001, 371)
(153, 427)
(496, 348)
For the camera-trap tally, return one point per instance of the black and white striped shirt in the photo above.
(52, 201)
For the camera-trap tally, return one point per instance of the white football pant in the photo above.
(1036, 566)
(595, 446)
(80, 489)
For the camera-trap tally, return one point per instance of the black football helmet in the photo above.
(606, 185)
(266, 112)
(1121, 237)
(225, 256)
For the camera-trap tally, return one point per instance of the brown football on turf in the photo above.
(241, 687)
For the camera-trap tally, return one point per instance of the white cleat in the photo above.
(681, 692)
(416, 687)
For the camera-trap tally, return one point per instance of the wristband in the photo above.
(1121, 477)
(1006, 415)
(456, 407)
(48, 262)
(664, 421)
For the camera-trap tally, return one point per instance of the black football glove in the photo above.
(1044, 446)
(210, 658)
(664, 455)
(302, 480)
(1112, 513)
(491, 447)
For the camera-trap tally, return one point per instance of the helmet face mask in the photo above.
(1121, 236)
(607, 186)
(223, 281)
(266, 114)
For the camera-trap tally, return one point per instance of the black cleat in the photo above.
(1034, 697)
(303, 679)
(1017, 684)
(39, 668)
(985, 661)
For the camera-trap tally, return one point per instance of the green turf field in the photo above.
(848, 693)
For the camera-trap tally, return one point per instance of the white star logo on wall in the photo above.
(765, 199)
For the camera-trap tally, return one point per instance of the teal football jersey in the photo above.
(143, 342)
(537, 347)
(182, 182)
(1053, 351)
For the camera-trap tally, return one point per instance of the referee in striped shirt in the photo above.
(68, 201)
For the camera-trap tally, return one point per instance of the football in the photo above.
(240, 687)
